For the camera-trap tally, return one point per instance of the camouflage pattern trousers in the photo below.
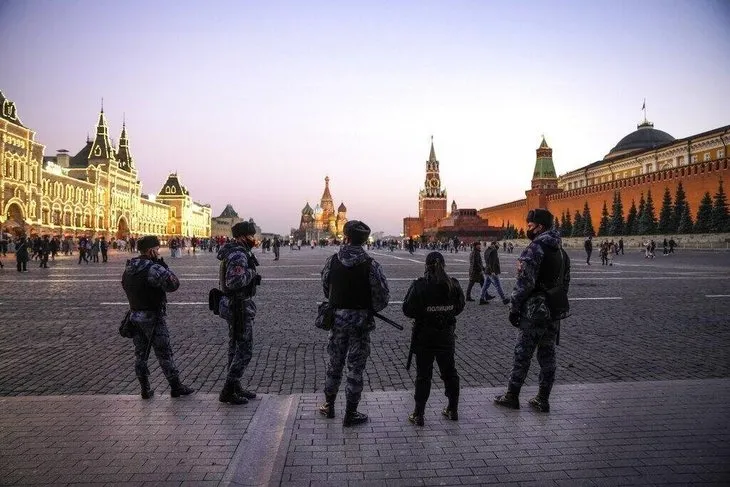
(240, 349)
(534, 337)
(154, 336)
(352, 343)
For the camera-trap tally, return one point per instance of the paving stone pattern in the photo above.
(626, 433)
(57, 338)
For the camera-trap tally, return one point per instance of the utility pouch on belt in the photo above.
(214, 300)
(127, 328)
(325, 316)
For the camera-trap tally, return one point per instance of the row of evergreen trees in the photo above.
(674, 217)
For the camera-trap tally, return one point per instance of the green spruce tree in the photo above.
(685, 221)
(665, 214)
(587, 221)
(577, 225)
(647, 221)
(631, 219)
(640, 212)
(568, 226)
(556, 225)
(680, 201)
(719, 211)
(521, 233)
(703, 224)
(605, 222)
(617, 216)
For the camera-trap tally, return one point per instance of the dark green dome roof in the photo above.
(644, 137)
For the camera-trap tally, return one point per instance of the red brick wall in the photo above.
(696, 178)
(513, 213)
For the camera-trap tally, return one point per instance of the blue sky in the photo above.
(255, 103)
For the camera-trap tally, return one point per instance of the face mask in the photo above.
(531, 234)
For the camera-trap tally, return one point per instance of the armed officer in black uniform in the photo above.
(146, 281)
(434, 301)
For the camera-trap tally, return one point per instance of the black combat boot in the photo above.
(452, 410)
(540, 402)
(509, 399)
(328, 408)
(416, 417)
(178, 389)
(146, 392)
(352, 417)
(243, 392)
(228, 394)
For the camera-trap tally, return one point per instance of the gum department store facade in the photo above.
(646, 159)
(95, 193)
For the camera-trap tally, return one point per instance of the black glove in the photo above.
(514, 319)
(162, 262)
(257, 279)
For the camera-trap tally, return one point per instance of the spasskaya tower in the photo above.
(431, 199)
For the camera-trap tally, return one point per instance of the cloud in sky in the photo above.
(254, 103)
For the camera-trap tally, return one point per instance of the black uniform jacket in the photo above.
(434, 310)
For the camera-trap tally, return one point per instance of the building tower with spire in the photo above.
(544, 178)
(432, 199)
(124, 157)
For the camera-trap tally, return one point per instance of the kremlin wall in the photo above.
(645, 160)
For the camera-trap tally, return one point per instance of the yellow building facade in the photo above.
(95, 192)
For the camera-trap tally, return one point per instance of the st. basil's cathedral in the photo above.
(322, 221)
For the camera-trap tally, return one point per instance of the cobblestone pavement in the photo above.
(626, 433)
(639, 320)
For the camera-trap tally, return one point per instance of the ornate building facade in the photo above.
(322, 221)
(433, 221)
(645, 160)
(95, 192)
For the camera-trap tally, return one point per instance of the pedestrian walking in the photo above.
(238, 279)
(476, 269)
(539, 269)
(434, 301)
(146, 281)
(21, 254)
(355, 285)
(492, 271)
(588, 246)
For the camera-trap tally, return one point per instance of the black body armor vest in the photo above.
(350, 286)
(549, 275)
(439, 306)
(142, 296)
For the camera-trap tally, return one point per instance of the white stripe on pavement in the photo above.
(606, 298)
(717, 295)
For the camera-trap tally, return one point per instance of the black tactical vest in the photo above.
(350, 286)
(142, 296)
(549, 275)
(439, 305)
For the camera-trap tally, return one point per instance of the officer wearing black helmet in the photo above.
(538, 270)
(238, 280)
(355, 285)
(146, 282)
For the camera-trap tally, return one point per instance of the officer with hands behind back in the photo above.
(434, 301)
(146, 281)
(238, 280)
(538, 270)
